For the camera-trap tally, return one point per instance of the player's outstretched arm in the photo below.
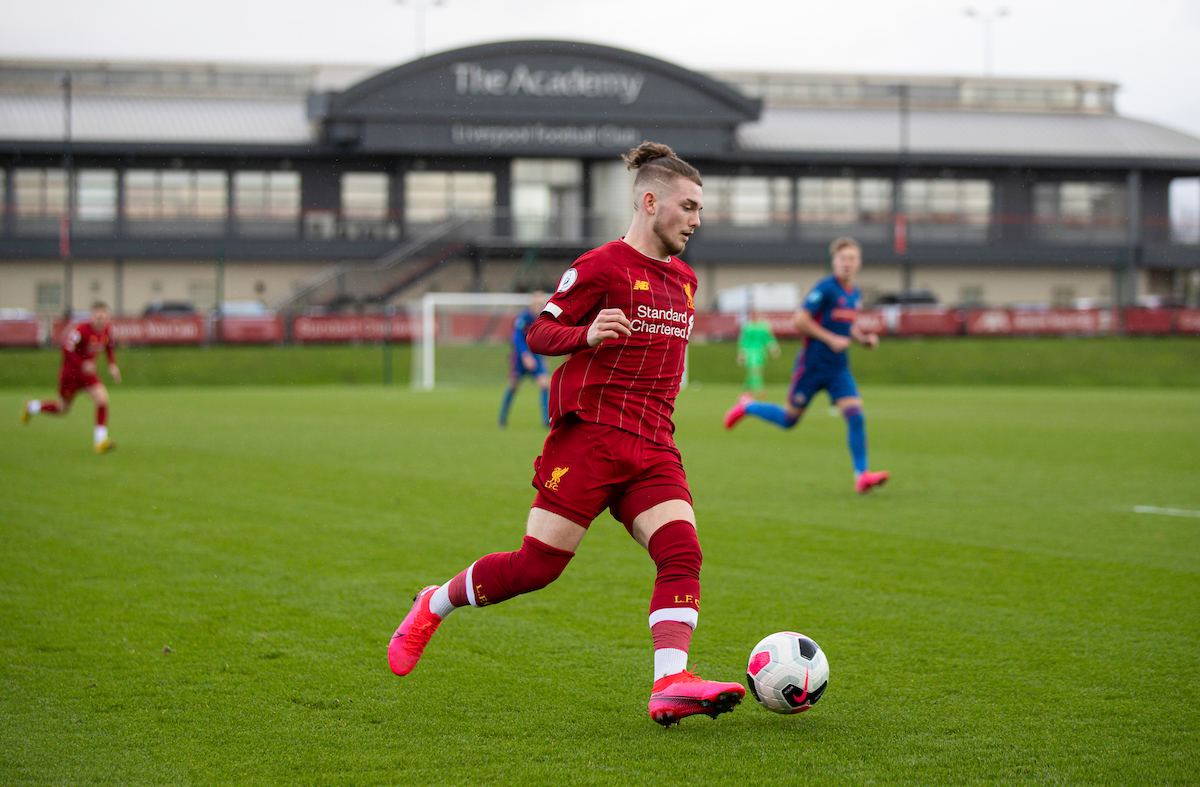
(115, 372)
(865, 338)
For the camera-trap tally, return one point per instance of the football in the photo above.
(787, 672)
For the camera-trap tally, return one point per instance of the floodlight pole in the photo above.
(900, 225)
(64, 224)
(988, 20)
(419, 9)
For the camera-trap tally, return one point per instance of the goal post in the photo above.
(462, 338)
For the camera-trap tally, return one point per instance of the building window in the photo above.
(970, 296)
(547, 198)
(948, 201)
(365, 195)
(266, 204)
(1080, 212)
(266, 195)
(1062, 296)
(49, 296)
(203, 294)
(95, 201)
(1081, 203)
(747, 201)
(176, 202)
(431, 197)
(845, 200)
(948, 210)
(40, 192)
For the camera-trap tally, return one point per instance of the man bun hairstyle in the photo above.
(656, 162)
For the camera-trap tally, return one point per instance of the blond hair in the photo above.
(843, 243)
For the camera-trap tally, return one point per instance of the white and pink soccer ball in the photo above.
(787, 672)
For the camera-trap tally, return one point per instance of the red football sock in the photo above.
(670, 634)
(502, 575)
(102, 415)
(675, 550)
(49, 407)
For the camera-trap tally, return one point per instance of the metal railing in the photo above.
(503, 226)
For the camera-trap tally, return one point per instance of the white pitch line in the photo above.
(1167, 511)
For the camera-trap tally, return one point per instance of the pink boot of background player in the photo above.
(868, 480)
(735, 413)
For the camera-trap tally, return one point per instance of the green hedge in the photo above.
(1142, 362)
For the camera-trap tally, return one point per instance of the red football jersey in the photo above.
(84, 343)
(629, 382)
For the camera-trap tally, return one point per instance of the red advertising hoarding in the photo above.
(929, 322)
(1187, 321)
(1148, 321)
(331, 328)
(148, 330)
(251, 330)
(1008, 322)
(19, 333)
(871, 322)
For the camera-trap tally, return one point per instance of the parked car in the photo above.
(170, 309)
(910, 298)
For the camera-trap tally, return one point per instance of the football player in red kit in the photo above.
(623, 313)
(83, 343)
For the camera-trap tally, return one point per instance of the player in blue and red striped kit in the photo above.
(526, 362)
(827, 320)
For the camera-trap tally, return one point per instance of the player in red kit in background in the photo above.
(623, 313)
(83, 343)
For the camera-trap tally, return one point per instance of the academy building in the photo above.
(489, 168)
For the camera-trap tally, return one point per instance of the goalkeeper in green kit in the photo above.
(754, 342)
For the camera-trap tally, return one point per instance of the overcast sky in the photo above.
(1148, 46)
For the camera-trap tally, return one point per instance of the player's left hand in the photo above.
(115, 372)
(528, 361)
(870, 340)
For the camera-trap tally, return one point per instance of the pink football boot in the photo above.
(868, 480)
(738, 411)
(686, 694)
(409, 641)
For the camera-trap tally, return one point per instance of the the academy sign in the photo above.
(472, 79)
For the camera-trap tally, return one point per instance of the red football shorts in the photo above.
(72, 379)
(585, 468)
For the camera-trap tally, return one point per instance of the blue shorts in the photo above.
(519, 370)
(839, 383)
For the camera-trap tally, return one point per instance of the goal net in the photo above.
(465, 339)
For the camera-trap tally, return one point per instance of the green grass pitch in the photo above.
(211, 604)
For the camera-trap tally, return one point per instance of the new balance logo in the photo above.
(641, 285)
(556, 476)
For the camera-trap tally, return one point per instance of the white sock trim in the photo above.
(439, 602)
(100, 434)
(471, 586)
(34, 407)
(668, 661)
(675, 615)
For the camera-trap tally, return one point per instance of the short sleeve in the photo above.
(816, 301)
(580, 287)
